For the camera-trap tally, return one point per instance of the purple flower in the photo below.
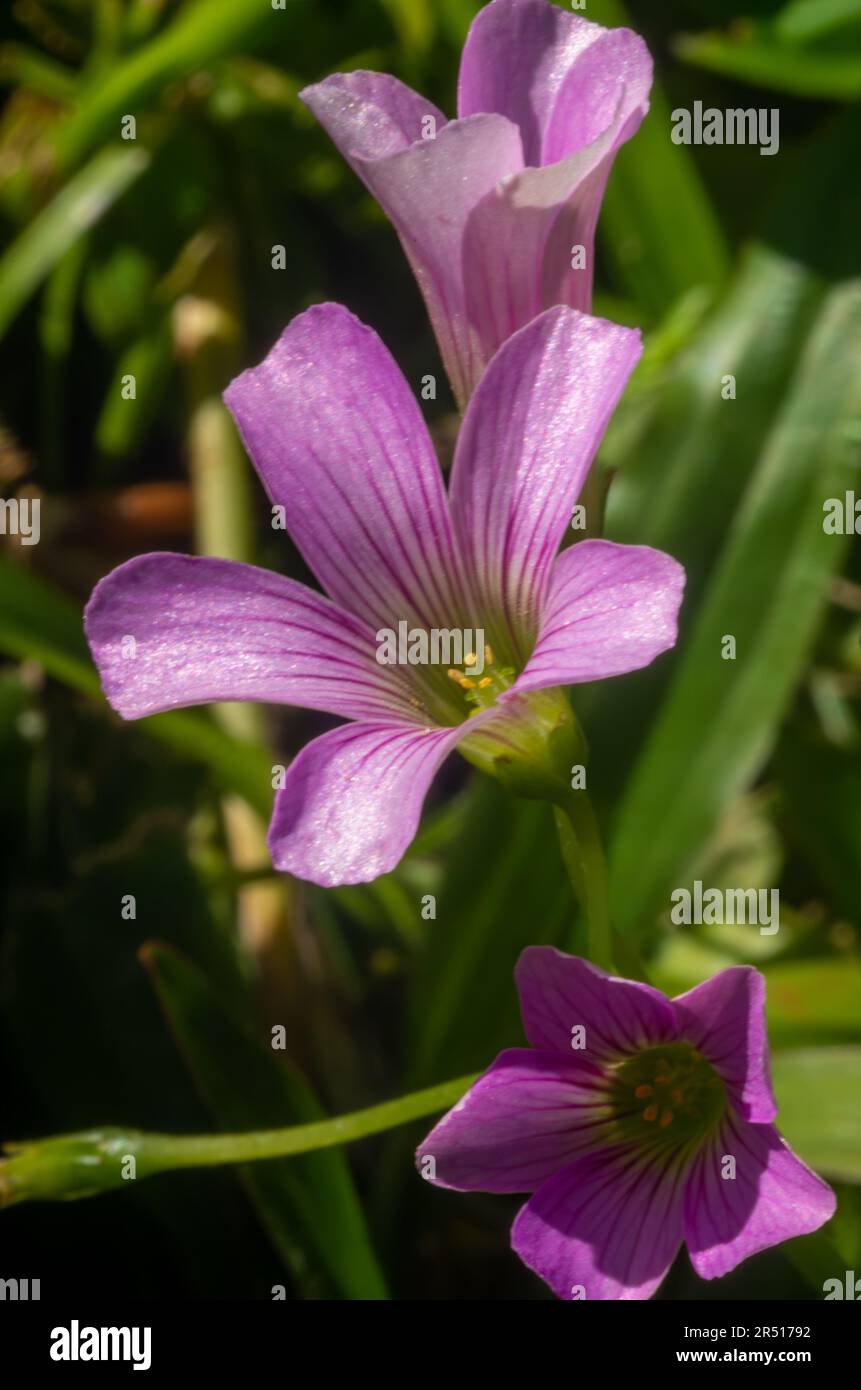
(340, 445)
(638, 1122)
(490, 207)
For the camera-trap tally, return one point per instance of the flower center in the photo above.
(669, 1096)
(482, 691)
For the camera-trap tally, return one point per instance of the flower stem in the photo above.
(84, 1164)
(583, 856)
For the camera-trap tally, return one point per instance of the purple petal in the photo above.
(556, 75)
(559, 992)
(585, 91)
(428, 192)
(351, 801)
(426, 186)
(369, 115)
(205, 630)
(519, 242)
(529, 1115)
(526, 444)
(773, 1197)
(611, 608)
(610, 1224)
(339, 441)
(724, 1018)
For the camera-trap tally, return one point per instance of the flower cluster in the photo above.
(637, 1122)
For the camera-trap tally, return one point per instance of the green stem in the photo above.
(583, 856)
(82, 1165)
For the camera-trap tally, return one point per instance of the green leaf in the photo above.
(720, 716)
(38, 623)
(806, 19)
(308, 1204)
(78, 206)
(754, 53)
(817, 1090)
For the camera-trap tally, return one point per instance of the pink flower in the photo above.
(650, 1126)
(340, 444)
(490, 207)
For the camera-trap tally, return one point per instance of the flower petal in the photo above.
(529, 1115)
(339, 442)
(526, 444)
(204, 630)
(772, 1197)
(725, 1019)
(611, 609)
(351, 801)
(559, 992)
(520, 239)
(556, 75)
(517, 56)
(610, 1225)
(428, 191)
(369, 115)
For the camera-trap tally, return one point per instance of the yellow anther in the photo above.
(454, 675)
(488, 656)
(466, 684)
(666, 1119)
(470, 659)
(485, 682)
(643, 1091)
(650, 1113)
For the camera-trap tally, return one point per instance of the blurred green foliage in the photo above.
(153, 258)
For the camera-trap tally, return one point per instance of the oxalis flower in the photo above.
(340, 445)
(496, 210)
(638, 1122)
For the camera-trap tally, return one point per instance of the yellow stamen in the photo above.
(454, 675)
(666, 1119)
(643, 1091)
(466, 683)
(470, 659)
(488, 656)
(485, 682)
(650, 1113)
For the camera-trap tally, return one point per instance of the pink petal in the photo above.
(611, 609)
(339, 442)
(560, 992)
(527, 442)
(368, 114)
(724, 1018)
(773, 1197)
(610, 1225)
(556, 75)
(428, 192)
(426, 186)
(352, 800)
(529, 1115)
(171, 630)
(519, 242)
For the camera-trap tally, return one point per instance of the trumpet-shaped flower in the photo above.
(638, 1122)
(340, 445)
(496, 210)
